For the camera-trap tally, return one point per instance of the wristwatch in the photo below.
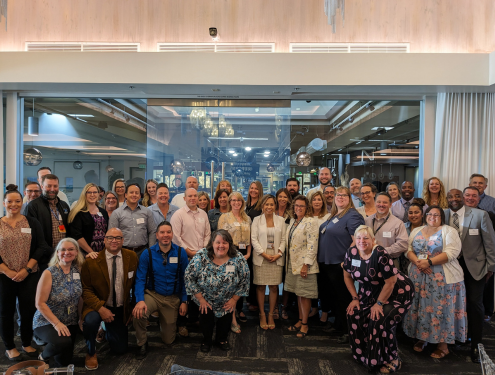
(379, 303)
(29, 270)
(355, 298)
(430, 262)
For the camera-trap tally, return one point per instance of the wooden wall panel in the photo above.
(429, 25)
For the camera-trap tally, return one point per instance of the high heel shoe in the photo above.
(263, 326)
(271, 326)
(293, 328)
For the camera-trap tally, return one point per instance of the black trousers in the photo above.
(61, 348)
(252, 298)
(488, 296)
(207, 325)
(116, 332)
(474, 305)
(333, 293)
(25, 293)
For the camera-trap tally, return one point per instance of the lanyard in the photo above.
(292, 229)
(380, 227)
(56, 216)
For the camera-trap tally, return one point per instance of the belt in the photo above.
(137, 249)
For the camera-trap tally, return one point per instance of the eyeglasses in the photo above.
(434, 215)
(298, 206)
(342, 195)
(110, 199)
(366, 193)
(92, 193)
(112, 238)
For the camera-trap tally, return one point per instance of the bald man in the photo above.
(325, 178)
(355, 188)
(179, 199)
(191, 230)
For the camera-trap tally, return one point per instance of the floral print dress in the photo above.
(438, 312)
(216, 283)
(374, 342)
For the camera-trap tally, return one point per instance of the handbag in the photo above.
(29, 366)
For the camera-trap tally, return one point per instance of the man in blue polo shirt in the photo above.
(160, 288)
(480, 182)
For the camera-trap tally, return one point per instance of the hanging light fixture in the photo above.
(33, 124)
(331, 7)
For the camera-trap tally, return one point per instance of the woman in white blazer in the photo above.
(301, 267)
(268, 241)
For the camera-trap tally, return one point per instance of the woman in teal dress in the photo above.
(438, 312)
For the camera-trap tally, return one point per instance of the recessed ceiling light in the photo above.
(383, 154)
(276, 92)
(298, 109)
(231, 152)
(267, 152)
(74, 115)
(216, 90)
(266, 155)
(248, 148)
(234, 154)
(358, 142)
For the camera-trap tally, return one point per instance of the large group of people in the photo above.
(374, 260)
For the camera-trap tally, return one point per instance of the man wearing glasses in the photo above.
(107, 282)
(160, 286)
(32, 190)
(477, 259)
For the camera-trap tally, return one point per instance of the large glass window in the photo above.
(237, 141)
(85, 140)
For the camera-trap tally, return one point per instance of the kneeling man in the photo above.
(160, 287)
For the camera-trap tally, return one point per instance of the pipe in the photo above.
(211, 178)
(223, 170)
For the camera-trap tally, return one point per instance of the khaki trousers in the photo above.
(168, 309)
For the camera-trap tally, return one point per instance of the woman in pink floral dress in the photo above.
(438, 312)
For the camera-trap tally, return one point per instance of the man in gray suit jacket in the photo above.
(477, 259)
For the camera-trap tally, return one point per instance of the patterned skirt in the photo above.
(268, 273)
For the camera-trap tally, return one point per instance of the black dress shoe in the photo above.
(142, 351)
(205, 348)
(225, 346)
(475, 355)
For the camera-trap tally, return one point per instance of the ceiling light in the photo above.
(383, 154)
(358, 142)
(339, 150)
(216, 90)
(231, 152)
(298, 109)
(256, 109)
(266, 155)
(267, 152)
(234, 154)
(382, 127)
(276, 92)
(248, 148)
(350, 119)
(75, 115)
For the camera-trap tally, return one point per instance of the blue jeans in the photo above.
(116, 331)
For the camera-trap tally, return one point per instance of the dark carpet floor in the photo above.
(278, 351)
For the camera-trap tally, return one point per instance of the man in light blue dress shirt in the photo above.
(480, 182)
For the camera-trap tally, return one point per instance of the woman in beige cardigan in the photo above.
(268, 241)
(302, 267)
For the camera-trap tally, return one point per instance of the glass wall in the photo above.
(85, 140)
(238, 141)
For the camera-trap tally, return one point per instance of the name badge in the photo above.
(230, 269)
(335, 221)
(130, 274)
(173, 259)
(323, 230)
(474, 232)
(433, 238)
(26, 230)
(423, 256)
(76, 276)
(201, 220)
(387, 234)
(242, 246)
(270, 245)
(99, 213)
(356, 263)
(237, 224)
(140, 221)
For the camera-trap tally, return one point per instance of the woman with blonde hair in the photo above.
(238, 224)
(253, 204)
(89, 222)
(204, 201)
(150, 197)
(119, 188)
(434, 193)
(318, 207)
(59, 303)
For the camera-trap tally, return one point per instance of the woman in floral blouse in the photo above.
(217, 277)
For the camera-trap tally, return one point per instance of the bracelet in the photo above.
(56, 324)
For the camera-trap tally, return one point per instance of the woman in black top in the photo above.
(253, 203)
(22, 245)
(89, 223)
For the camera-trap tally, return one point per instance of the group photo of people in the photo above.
(367, 266)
